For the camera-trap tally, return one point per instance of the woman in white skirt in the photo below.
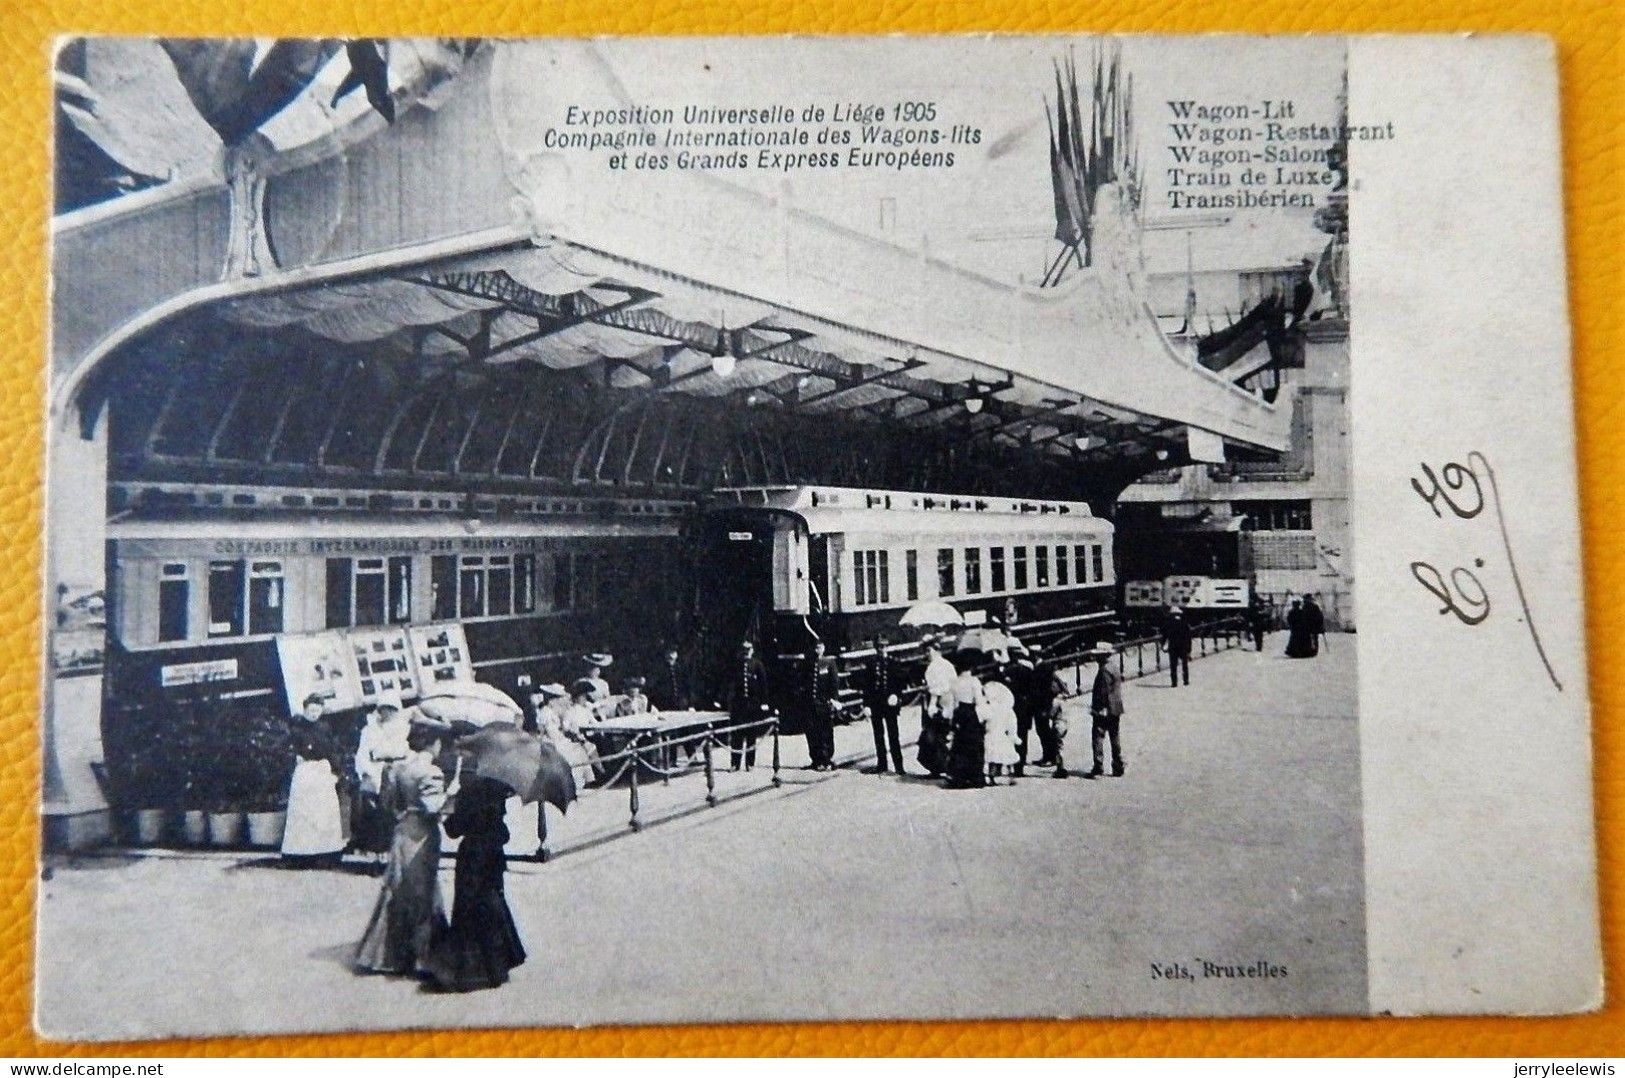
(315, 829)
(997, 710)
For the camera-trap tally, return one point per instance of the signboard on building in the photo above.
(440, 653)
(197, 673)
(1181, 589)
(383, 662)
(319, 663)
(1222, 594)
(1142, 593)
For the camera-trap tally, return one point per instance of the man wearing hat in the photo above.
(745, 701)
(381, 746)
(1176, 640)
(882, 696)
(1106, 709)
(669, 683)
(597, 662)
(822, 687)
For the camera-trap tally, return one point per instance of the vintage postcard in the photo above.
(574, 532)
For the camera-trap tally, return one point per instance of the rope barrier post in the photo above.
(637, 824)
(710, 768)
(777, 781)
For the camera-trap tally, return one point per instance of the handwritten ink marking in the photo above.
(1472, 608)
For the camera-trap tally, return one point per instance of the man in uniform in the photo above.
(881, 688)
(669, 685)
(1044, 688)
(1176, 640)
(822, 687)
(745, 701)
(1106, 709)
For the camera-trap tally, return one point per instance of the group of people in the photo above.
(1305, 628)
(405, 784)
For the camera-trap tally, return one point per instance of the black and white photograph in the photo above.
(630, 531)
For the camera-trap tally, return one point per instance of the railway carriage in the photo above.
(782, 565)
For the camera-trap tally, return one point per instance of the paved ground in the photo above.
(1234, 839)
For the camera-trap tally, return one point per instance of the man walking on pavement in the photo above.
(823, 686)
(1106, 709)
(746, 701)
(1176, 640)
(880, 695)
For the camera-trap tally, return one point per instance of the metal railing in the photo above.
(1132, 655)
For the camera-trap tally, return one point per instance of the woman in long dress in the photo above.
(314, 834)
(561, 720)
(483, 943)
(967, 766)
(936, 712)
(382, 745)
(409, 914)
(997, 710)
(1299, 644)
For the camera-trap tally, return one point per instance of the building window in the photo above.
(1080, 563)
(1097, 555)
(1041, 566)
(1020, 559)
(973, 570)
(225, 598)
(174, 599)
(266, 589)
(1060, 567)
(945, 572)
(995, 569)
(443, 587)
(911, 573)
(1282, 515)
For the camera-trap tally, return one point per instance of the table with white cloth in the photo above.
(618, 734)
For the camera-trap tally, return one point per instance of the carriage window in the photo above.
(995, 569)
(911, 573)
(973, 570)
(443, 587)
(471, 586)
(1080, 563)
(499, 585)
(225, 598)
(1097, 555)
(1060, 566)
(1041, 566)
(871, 577)
(885, 576)
(524, 583)
(1021, 568)
(265, 592)
(564, 587)
(370, 586)
(400, 590)
(945, 571)
(174, 596)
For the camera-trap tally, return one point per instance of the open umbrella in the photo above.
(930, 614)
(984, 639)
(471, 702)
(528, 765)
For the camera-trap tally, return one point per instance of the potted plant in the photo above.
(137, 775)
(189, 751)
(269, 767)
(226, 752)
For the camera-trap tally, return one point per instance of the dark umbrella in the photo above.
(528, 765)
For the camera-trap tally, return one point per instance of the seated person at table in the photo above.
(635, 702)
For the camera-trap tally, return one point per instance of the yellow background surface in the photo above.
(1588, 37)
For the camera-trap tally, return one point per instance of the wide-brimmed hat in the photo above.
(584, 687)
(598, 658)
(552, 688)
(420, 721)
(636, 682)
(1101, 651)
(390, 700)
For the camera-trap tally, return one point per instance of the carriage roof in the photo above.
(859, 510)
